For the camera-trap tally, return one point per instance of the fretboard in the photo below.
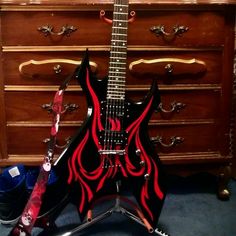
(118, 52)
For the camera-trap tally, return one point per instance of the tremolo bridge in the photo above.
(113, 143)
(112, 152)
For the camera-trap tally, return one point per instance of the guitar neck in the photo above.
(118, 51)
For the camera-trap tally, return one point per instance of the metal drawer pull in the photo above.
(178, 30)
(174, 107)
(69, 107)
(66, 30)
(57, 69)
(175, 140)
(67, 140)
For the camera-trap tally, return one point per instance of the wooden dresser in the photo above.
(187, 47)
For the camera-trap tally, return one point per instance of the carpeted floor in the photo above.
(191, 208)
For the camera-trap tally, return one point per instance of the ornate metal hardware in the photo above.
(66, 30)
(174, 107)
(169, 68)
(69, 107)
(109, 21)
(57, 68)
(175, 140)
(178, 30)
(67, 141)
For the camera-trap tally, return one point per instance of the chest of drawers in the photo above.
(187, 48)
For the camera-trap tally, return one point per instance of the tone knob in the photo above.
(142, 163)
(138, 152)
(147, 176)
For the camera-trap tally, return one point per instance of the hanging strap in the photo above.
(28, 218)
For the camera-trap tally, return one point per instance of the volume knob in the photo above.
(138, 152)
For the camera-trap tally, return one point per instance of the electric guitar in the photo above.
(113, 142)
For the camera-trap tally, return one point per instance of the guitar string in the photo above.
(115, 106)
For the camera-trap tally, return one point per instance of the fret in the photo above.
(120, 34)
(117, 62)
(115, 92)
(116, 97)
(118, 56)
(119, 20)
(124, 53)
(119, 77)
(120, 13)
(118, 72)
(117, 81)
(121, 5)
(116, 67)
(118, 40)
(120, 27)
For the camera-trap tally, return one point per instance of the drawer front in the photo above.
(176, 105)
(180, 28)
(37, 106)
(91, 30)
(183, 68)
(184, 105)
(32, 139)
(185, 138)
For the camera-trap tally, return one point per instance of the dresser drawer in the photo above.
(33, 140)
(176, 105)
(182, 138)
(179, 28)
(37, 106)
(90, 30)
(184, 105)
(49, 68)
(154, 65)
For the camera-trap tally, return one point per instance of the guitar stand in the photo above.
(117, 208)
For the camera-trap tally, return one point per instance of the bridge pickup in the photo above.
(112, 137)
(112, 152)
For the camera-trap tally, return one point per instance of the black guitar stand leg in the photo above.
(117, 208)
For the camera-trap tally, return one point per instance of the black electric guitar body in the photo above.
(113, 142)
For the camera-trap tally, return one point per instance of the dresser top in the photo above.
(92, 2)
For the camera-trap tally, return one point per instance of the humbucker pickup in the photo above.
(112, 138)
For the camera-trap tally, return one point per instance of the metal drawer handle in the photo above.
(175, 140)
(67, 141)
(66, 30)
(178, 30)
(174, 107)
(69, 107)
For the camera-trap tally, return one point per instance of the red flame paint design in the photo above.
(78, 173)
